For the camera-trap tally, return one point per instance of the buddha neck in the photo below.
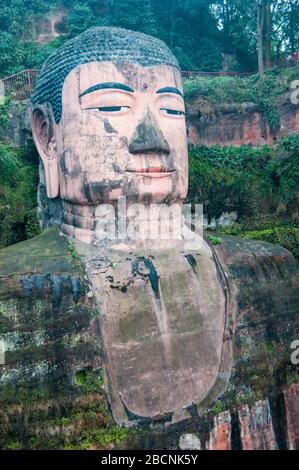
(125, 226)
(79, 221)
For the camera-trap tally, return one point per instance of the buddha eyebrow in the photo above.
(107, 85)
(170, 89)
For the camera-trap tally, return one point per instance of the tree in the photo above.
(80, 18)
(285, 31)
(236, 22)
(127, 14)
(260, 32)
(149, 25)
(199, 32)
(268, 32)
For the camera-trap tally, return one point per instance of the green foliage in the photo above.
(198, 31)
(42, 52)
(217, 408)
(104, 438)
(73, 253)
(76, 260)
(4, 111)
(8, 163)
(214, 240)
(250, 181)
(14, 445)
(269, 349)
(80, 18)
(224, 179)
(182, 25)
(265, 92)
(18, 186)
(32, 226)
(284, 236)
(261, 185)
(89, 380)
(91, 416)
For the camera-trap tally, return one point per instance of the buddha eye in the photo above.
(113, 109)
(173, 112)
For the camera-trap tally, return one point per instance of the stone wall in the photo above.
(18, 129)
(237, 124)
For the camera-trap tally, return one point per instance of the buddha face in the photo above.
(122, 133)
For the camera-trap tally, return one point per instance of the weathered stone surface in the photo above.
(50, 329)
(239, 124)
(220, 435)
(265, 279)
(47, 327)
(18, 130)
(292, 414)
(163, 317)
(47, 253)
(189, 442)
(256, 427)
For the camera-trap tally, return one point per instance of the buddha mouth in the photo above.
(153, 171)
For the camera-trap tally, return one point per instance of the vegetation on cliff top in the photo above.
(253, 181)
(261, 185)
(235, 89)
(266, 92)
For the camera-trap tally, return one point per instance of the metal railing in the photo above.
(198, 73)
(21, 84)
(284, 62)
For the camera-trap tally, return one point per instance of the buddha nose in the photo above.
(148, 137)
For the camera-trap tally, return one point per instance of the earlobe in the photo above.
(46, 146)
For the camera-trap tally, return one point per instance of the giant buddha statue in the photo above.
(176, 326)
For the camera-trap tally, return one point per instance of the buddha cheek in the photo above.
(92, 168)
(103, 161)
(101, 151)
(103, 157)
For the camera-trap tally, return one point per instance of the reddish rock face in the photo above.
(256, 427)
(248, 125)
(221, 433)
(292, 411)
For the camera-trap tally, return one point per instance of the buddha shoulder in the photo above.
(237, 254)
(263, 278)
(45, 254)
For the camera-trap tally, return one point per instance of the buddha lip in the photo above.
(153, 171)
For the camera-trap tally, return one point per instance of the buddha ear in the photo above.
(45, 142)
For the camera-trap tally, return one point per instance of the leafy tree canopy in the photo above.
(201, 33)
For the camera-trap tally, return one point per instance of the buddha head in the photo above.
(108, 120)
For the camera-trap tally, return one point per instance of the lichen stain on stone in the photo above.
(150, 272)
(148, 137)
(77, 288)
(192, 261)
(108, 127)
(58, 285)
(30, 282)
